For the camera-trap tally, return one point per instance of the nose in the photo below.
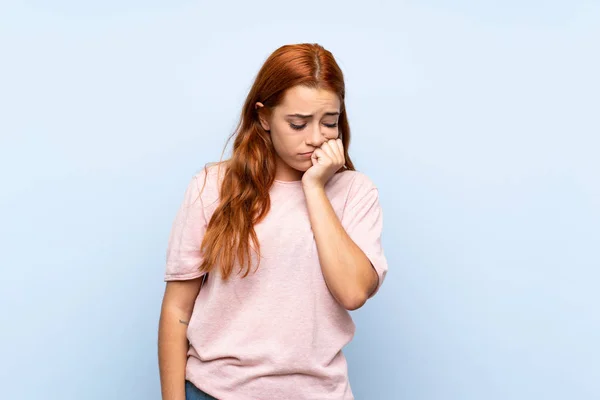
(315, 135)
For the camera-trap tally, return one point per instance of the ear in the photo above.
(260, 107)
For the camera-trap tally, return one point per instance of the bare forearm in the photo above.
(172, 352)
(346, 269)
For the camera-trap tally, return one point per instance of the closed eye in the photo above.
(300, 127)
(297, 127)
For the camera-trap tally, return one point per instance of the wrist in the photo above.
(313, 189)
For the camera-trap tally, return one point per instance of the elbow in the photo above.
(355, 293)
(354, 302)
(355, 299)
(354, 306)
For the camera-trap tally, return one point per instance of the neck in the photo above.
(286, 173)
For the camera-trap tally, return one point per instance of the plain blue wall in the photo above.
(479, 121)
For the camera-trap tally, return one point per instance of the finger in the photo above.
(337, 157)
(328, 149)
(319, 155)
(340, 146)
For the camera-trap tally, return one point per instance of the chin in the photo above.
(303, 167)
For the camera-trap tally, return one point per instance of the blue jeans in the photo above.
(193, 393)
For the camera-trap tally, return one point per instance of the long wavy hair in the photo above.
(250, 172)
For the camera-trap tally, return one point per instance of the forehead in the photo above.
(303, 99)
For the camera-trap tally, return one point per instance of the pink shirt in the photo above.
(278, 333)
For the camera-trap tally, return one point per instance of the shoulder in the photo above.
(358, 195)
(353, 183)
(207, 181)
(211, 171)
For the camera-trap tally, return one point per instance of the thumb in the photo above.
(314, 158)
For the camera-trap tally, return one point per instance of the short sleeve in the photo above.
(183, 251)
(363, 221)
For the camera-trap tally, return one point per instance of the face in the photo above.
(305, 119)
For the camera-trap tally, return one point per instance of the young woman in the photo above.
(272, 248)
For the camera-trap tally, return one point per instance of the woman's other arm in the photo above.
(177, 305)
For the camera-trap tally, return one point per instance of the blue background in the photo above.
(479, 122)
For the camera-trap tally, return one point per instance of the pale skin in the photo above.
(176, 310)
(305, 122)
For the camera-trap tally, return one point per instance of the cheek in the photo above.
(282, 143)
(286, 140)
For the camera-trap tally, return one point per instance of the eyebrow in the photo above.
(310, 115)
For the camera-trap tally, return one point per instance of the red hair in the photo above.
(250, 172)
